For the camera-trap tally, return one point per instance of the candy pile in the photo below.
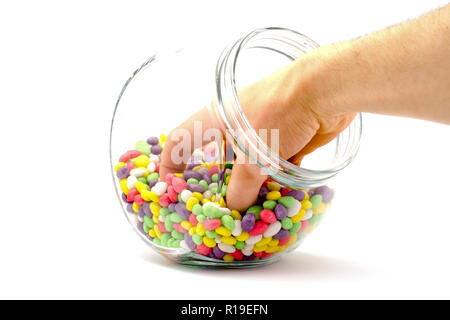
(182, 211)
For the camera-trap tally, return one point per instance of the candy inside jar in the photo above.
(187, 211)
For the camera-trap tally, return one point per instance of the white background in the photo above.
(62, 232)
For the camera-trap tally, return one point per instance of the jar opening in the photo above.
(291, 45)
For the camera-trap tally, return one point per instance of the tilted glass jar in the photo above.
(165, 91)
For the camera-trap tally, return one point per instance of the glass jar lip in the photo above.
(292, 44)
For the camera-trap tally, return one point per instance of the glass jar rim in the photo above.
(292, 45)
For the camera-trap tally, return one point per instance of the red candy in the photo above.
(203, 249)
(259, 228)
(130, 165)
(131, 194)
(157, 167)
(258, 254)
(165, 200)
(267, 216)
(179, 228)
(282, 242)
(162, 227)
(213, 170)
(285, 191)
(266, 255)
(193, 219)
(178, 184)
(304, 226)
(173, 196)
(129, 155)
(211, 224)
(138, 199)
(237, 254)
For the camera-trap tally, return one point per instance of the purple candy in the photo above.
(248, 258)
(172, 207)
(184, 213)
(130, 208)
(203, 170)
(280, 211)
(263, 192)
(218, 253)
(156, 149)
(206, 177)
(149, 237)
(195, 187)
(141, 212)
(248, 222)
(152, 183)
(124, 197)
(326, 193)
(188, 239)
(310, 193)
(123, 172)
(140, 227)
(146, 208)
(192, 165)
(282, 234)
(297, 194)
(211, 255)
(153, 141)
(188, 174)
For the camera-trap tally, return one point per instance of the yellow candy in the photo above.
(243, 236)
(229, 240)
(223, 231)
(236, 215)
(186, 225)
(299, 216)
(191, 203)
(228, 257)
(142, 161)
(205, 201)
(198, 195)
(157, 231)
(192, 231)
(271, 249)
(222, 203)
(155, 219)
(281, 248)
(152, 233)
(146, 173)
(320, 208)
(162, 137)
(306, 204)
(119, 165)
(140, 186)
(273, 195)
(210, 243)
(136, 207)
(227, 179)
(200, 229)
(273, 243)
(149, 195)
(259, 249)
(272, 186)
(123, 186)
(179, 175)
(154, 208)
(263, 242)
(306, 195)
(213, 198)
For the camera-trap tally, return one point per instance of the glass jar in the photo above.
(184, 216)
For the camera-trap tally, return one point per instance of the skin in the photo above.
(403, 70)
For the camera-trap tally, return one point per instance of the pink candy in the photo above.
(193, 219)
(162, 227)
(179, 228)
(304, 226)
(267, 216)
(129, 155)
(173, 196)
(165, 200)
(203, 249)
(213, 170)
(211, 224)
(131, 194)
(259, 228)
(138, 199)
(178, 184)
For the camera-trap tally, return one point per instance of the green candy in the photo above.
(228, 222)
(179, 198)
(152, 176)
(224, 191)
(201, 218)
(175, 217)
(215, 177)
(212, 212)
(316, 200)
(175, 243)
(165, 237)
(169, 225)
(239, 245)
(198, 240)
(148, 222)
(255, 210)
(146, 228)
(157, 241)
(287, 201)
(204, 184)
(214, 190)
(143, 180)
(164, 211)
(269, 204)
(295, 227)
(197, 209)
(169, 242)
(142, 146)
(192, 180)
(286, 223)
(177, 235)
(314, 220)
(211, 234)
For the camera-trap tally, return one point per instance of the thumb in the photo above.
(243, 189)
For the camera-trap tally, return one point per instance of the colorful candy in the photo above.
(188, 210)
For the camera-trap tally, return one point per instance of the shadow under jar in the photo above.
(184, 215)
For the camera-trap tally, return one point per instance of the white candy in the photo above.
(226, 247)
(131, 181)
(293, 210)
(198, 154)
(212, 185)
(217, 239)
(237, 228)
(184, 245)
(161, 218)
(186, 195)
(207, 195)
(253, 239)
(153, 158)
(225, 211)
(138, 172)
(272, 229)
(211, 204)
(308, 215)
(140, 219)
(151, 167)
(228, 171)
(159, 188)
(247, 252)
(248, 247)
